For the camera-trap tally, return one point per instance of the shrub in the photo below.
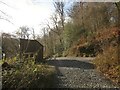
(28, 75)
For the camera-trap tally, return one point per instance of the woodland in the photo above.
(83, 29)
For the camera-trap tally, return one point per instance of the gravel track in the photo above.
(78, 73)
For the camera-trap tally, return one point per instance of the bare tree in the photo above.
(59, 7)
(59, 20)
(23, 32)
(56, 28)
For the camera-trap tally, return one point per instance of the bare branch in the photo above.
(4, 13)
(55, 19)
(5, 4)
(6, 20)
(52, 29)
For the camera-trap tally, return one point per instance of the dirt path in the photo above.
(78, 73)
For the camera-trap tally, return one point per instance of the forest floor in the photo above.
(78, 73)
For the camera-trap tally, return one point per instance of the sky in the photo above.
(31, 13)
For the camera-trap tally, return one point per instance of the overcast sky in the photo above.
(32, 13)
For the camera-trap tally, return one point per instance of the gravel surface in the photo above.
(78, 73)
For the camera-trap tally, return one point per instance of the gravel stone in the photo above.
(79, 73)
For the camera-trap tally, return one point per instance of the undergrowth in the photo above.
(107, 63)
(27, 74)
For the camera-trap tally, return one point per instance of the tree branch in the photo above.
(6, 20)
(5, 4)
(4, 13)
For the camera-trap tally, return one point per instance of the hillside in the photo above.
(105, 49)
(96, 44)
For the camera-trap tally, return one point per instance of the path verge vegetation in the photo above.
(108, 64)
(27, 75)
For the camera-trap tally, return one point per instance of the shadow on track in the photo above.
(71, 64)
